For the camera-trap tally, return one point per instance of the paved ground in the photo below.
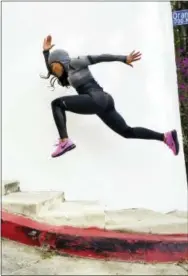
(18, 259)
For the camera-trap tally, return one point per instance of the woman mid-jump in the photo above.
(91, 98)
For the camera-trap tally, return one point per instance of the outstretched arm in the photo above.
(84, 61)
(89, 60)
(132, 57)
(106, 58)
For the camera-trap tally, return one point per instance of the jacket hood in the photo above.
(60, 56)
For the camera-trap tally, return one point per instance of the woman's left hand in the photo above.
(47, 44)
(132, 57)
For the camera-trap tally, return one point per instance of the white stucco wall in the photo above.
(120, 173)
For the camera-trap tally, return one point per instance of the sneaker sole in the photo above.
(175, 138)
(73, 146)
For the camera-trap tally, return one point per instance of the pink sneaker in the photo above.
(63, 147)
(171, 140)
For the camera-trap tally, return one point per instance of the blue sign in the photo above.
(180, 17)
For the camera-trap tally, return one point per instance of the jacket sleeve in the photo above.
(106, 58)
(84, 61)
(46, 55)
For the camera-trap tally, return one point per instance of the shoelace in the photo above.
(57, 143)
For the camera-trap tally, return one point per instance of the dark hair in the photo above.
(63, 80)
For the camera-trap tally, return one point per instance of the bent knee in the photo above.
(128, 132)
(59, 102)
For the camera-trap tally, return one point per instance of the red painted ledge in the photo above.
(94, 242)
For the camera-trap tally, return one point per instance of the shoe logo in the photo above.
(63, 146)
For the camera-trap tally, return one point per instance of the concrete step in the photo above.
(147, 221)
(51, 207)
(180, 214)
(9, 186)
(93, 214)
(32, 203)
(76, 213)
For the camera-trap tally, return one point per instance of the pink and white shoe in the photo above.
(171, 140)
(63, 147)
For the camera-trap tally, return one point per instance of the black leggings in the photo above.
(86, 104)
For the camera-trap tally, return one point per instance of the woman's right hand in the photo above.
(47, 44)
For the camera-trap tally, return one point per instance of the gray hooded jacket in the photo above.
(77, 69)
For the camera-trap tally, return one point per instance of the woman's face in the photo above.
(57, 69)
